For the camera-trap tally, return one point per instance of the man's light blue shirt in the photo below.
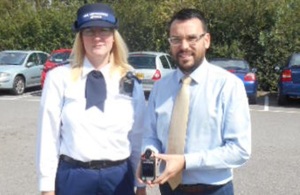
(218, 136)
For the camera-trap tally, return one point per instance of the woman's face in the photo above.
(97, 42)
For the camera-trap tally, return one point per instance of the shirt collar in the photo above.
(200, 72)
(196, 75)
(88, 67)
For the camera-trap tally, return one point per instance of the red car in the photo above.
(57, 57)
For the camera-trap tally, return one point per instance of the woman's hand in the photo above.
(48, 193)
(141, 191)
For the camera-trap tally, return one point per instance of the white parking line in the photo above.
(8, 98)
(14, 98)
(34, 100)
(21, 98)
(278, 111)
(18, 97)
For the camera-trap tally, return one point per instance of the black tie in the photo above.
(95, 90)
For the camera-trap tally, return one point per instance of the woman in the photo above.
(91, 114)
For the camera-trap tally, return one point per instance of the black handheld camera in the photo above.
(148, 166)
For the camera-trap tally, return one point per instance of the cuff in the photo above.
(47, 184)
(192, 160)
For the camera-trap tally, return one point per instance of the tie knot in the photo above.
(186, 80)
(96, 74)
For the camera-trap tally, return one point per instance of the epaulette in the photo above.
(130, 75)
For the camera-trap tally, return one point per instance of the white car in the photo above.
(20, 69)
(151, 66)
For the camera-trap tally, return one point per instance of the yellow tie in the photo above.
(178, 126)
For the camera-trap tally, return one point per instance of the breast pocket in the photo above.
(74, 101)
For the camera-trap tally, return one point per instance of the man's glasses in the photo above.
(102, 32)
(192, 39)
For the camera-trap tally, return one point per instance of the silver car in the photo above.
(151, 66)
(20, 69)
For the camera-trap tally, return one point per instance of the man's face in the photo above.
(190, 43)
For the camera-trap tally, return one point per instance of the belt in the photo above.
(94, 164)
(194, 188)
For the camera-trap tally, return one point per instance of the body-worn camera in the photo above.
(127, 84)
(148, 166)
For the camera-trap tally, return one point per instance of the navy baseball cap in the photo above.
(95, 15)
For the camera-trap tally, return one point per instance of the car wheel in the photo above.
(147, 93)
(281, 99)
(253, 100)
(18, 86)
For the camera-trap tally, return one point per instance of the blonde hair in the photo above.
(118, 56)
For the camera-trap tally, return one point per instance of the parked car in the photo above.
(20, 69)
(151, 66)
(289, 80)
(242, 70)
(57, 57)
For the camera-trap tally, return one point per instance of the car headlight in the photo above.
(4, 74)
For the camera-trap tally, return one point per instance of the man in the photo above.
(218, 129)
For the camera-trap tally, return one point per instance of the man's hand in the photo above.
(174, 165)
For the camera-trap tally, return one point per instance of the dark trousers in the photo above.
(74, 180)
(226, 189)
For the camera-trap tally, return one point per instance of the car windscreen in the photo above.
(59, 57)
(231, 64)
(295, 60)
(12, 58)
(142, 62)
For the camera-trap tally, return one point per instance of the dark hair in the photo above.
(188, 13)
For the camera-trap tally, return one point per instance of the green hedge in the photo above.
(264, 32)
